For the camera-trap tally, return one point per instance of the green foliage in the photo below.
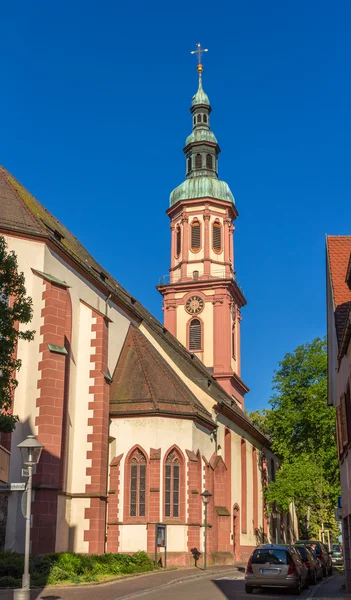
(260, 420)
(19, 311)
(68, 567)
(301, 426)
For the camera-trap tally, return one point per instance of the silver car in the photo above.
(276, 565)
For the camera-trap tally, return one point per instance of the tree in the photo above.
(302, 430)
(15, 310)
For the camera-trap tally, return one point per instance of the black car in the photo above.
(315, 571)
(321, 552)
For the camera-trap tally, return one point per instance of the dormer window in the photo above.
(198, 161)
(209, 162)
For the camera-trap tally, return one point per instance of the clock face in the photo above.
(194, 305)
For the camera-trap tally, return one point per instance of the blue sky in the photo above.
(94, 103)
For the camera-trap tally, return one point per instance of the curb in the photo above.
(176, 581)
(316, 588)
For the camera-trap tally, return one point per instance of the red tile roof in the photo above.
(339, 250)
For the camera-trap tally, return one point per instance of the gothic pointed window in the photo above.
(189, 164)
(195, 236)
(138, 484)
(209, 161)
(198, 161)
(172, 485)
(217, 237)
(178, 241)
(195, 335)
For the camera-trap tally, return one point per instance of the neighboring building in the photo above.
(339, 370)
(137, 423)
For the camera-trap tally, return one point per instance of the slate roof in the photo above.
(339, 250)
(154, 387)
(22, 212)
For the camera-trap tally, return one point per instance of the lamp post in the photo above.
(30, 450)
(206, 498)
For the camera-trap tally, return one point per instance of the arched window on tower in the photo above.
(205, 118)
(199, 118)
(178, 241)
(217, 237)
(198, 161)
(209, 161)
(172, 485)
(189, 164)
(195, 236)
(194, 120)
(137, 484)
(195, 335)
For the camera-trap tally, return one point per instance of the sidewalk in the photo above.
(331, 589)
(125, 586)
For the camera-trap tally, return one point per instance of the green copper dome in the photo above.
(201, 135)
(200, 97)
(202, 187)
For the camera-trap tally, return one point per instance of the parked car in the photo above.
(276, 565)
(313, 564)
(321, 552)
(337, 554)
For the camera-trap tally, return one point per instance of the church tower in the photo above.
(202, 299)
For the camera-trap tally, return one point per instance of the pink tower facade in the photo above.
(202, 299)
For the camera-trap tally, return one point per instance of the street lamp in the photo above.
(206, 498)
(30, 451)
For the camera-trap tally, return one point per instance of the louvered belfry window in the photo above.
(209, 161)
(217, 237)
(189, 164)
(138, 485)
(172, 485)
(195, 235)
(178, 241)
(198, 161)
(195, 335)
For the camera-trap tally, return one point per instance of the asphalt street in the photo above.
(220, 587)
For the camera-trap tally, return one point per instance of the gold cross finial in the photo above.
(199, 51)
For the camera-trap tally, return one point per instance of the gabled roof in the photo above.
(153, 388)
(23, 213)
(338, 251)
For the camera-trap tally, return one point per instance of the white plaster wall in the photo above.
(63, 524)
(150, 432)
(132, 538)
(177, 538)
(78, 524)
(29, 255)
(79, 409)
